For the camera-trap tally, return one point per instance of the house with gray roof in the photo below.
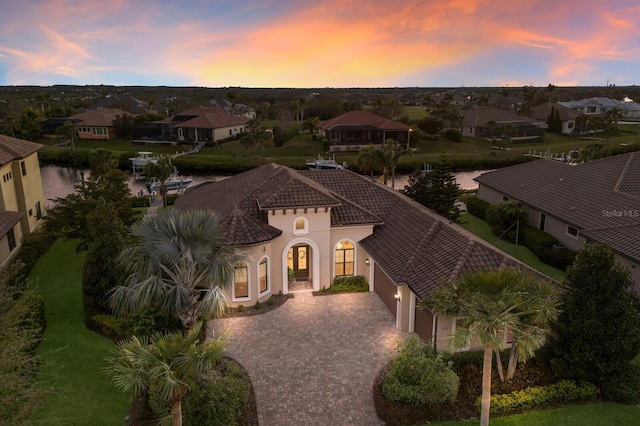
(600, 105)
(594, 201)
(475, 120)
(322, 224)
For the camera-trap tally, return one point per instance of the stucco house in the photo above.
(567, 116)
(96, 123)
(594, 201)
(600, 105)
(328, 223)
(475, 120)
(206, 123)
(354, 129)
(21, 195)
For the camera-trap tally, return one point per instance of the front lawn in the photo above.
(483, 230)
(78, 391)
(598, 414)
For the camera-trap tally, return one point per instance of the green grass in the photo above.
(600, 414)
(482, 230)
(73, 357)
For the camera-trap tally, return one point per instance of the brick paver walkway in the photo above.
(313, 360)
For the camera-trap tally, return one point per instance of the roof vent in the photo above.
(561, 180)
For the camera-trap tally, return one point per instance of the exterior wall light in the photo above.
(367, 261)
(397, 296)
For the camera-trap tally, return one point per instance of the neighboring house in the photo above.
(206, 124)
(594, 201)
(328, 223)
(355, 129)
(21, 196)
(602, 105)
(241, 110)
(96, 123)
(475, 120)
(567, 116)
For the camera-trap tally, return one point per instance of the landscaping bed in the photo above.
(274, 302)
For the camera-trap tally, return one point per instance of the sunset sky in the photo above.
(331, 43)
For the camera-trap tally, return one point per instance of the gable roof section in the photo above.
(578, 195)
(101, 117)
(362, 119)
(481, 115)
(206, 117)
(541, 112)
(15, 149)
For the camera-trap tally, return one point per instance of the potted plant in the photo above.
(291, 274)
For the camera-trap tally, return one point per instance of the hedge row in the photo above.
(542, 245)
(535, 397)
(477, 207)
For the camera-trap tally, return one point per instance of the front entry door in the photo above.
(301, 262)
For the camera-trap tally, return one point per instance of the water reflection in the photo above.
(58, 182)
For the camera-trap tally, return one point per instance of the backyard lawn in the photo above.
(73, 357)
(481, 229)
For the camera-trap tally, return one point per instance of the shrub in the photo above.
(559, 258)
(142, 201)
(33, 247)
(420, 376)
(477, 206)
(502, 218)
(539, 242)
(454, 135)
(538, 396)
(353, 284)
(624, 386)
(171, 199)
(218, 399)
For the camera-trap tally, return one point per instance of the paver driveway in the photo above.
(313, 360)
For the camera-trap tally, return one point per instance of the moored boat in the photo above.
(142, 159)
(174, 182)
(325, 164)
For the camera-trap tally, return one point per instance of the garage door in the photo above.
(386, 289)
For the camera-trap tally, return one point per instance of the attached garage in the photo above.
(385, 289)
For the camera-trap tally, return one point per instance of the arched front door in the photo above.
(298, 259)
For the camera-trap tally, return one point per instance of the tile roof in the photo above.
(101, 117)
(481, 115)
(411, 244)
(362, 119)
(8, 220)
(207, 117)
(601, 194)
(541, 112)
(15, 149)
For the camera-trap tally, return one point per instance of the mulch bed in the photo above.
(273, 303)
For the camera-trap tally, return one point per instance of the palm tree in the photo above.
(491, 303)
(160, 170)
(369, 159)
(68, 132)
(180, 264)
(392, 152)
(102, 160)
(168, 360)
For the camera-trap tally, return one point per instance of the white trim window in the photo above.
(300, 226)
(241, 282)
(263, 275)
(572, 231)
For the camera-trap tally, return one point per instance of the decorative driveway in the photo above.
(313, 360)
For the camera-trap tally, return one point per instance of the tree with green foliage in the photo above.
(369, 159)
(122, 126)
(506, 219)
(598, 332)
(30, 120)
(392, 152)
(69, 217)
(68, 134)
(310, 125)
(491, 303)
(431, 126)
(167, 360)
(180, 263)
(102, 161)
(101, 272)
(437, 189)
(592, 152)
(278, 136)
(160, 170)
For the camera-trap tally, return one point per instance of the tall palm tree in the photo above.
(369, 159)
(181, 264)
(491, 303)
(169, 360)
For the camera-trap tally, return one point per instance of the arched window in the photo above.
(263, 275)
(345, 255)
(241, 282)
(300, 226)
